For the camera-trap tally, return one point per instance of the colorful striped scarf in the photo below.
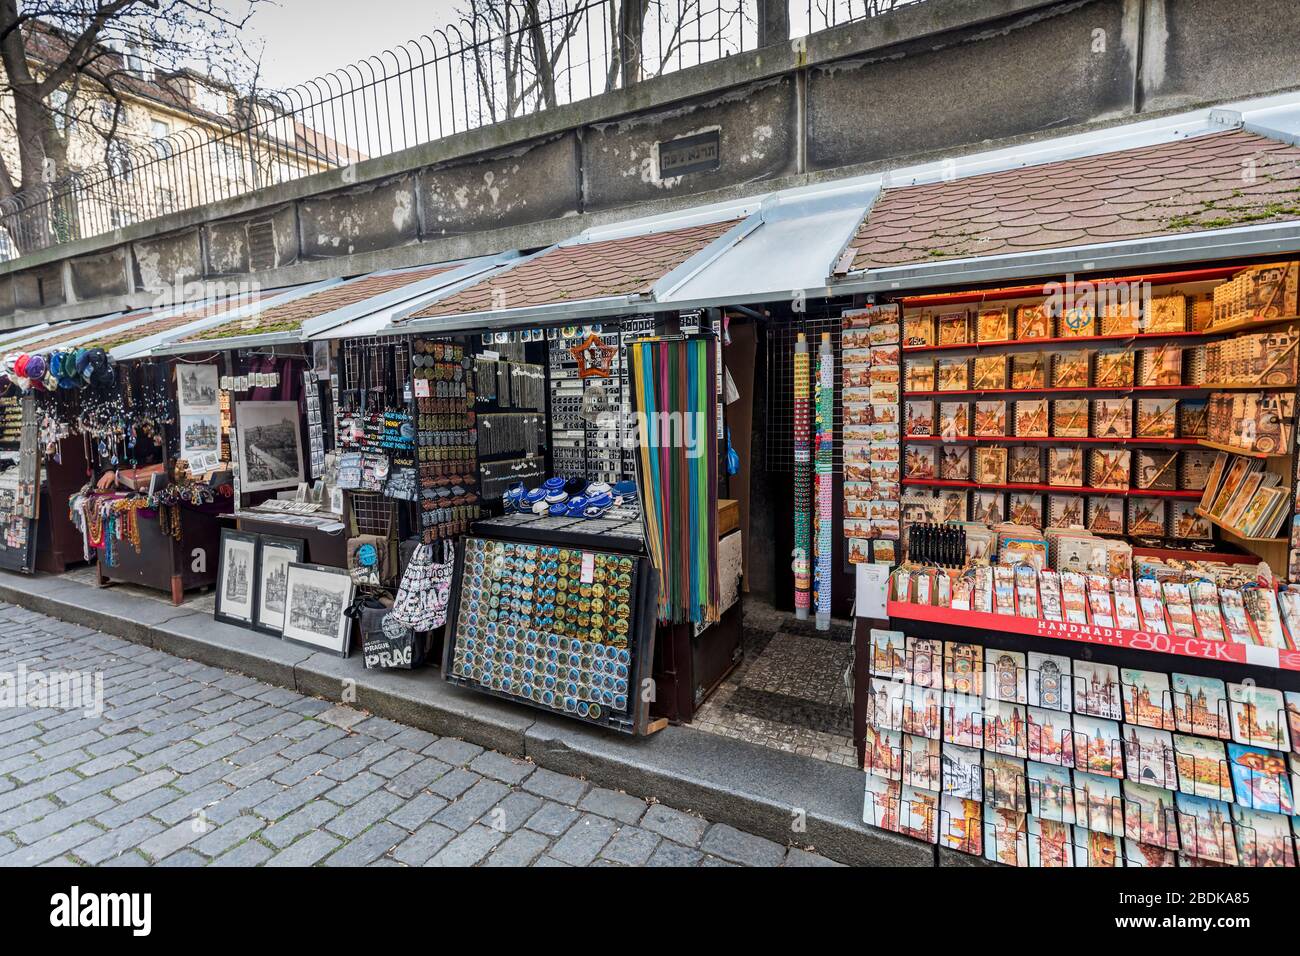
(674, 395)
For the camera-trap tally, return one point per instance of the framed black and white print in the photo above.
(236, 577)
(274, 555)
(315, 599)
(270, 445)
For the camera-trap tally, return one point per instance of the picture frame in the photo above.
(274, 555)
(197, 391)
(316, 597)
(236, 595)
(270, 445)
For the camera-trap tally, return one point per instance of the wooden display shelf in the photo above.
(1244, 452)
(1054, 489)
(1252, 324)
(1128, 337)
(1236, 535)
(1122, 389)
(1122, 338)
(1249, 388)
(1218, 651)
(1039, 440)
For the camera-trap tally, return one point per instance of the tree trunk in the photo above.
(541, 57)
(631, 35)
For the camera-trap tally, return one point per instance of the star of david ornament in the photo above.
(595, 358)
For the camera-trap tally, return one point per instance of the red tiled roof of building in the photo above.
(290, 316)
(1214, 181)
(586, 270)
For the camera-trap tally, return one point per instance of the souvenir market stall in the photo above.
(598, 541)
(317, 435)
(1080, 489)
(60, 370)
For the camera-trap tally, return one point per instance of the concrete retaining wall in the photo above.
(931, 79)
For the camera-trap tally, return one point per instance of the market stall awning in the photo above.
(605, 271)
(297, 317)
(376, 316)
(795, 234)
(1226, 187)
(27, 332)
(70, 334)
(191, 318)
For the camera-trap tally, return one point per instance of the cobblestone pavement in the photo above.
(190, 765)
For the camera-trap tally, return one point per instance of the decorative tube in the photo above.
(824, 468)
(801, 564)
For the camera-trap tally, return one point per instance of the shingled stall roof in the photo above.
(1212, 181)
(78, 331)
(629, 265)
(289, 316)
(110, 339)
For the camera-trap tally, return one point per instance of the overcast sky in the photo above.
(305, 38)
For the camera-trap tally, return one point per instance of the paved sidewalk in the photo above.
(190, 765)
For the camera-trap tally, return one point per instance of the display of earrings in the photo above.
(508, 384)
(504, 432)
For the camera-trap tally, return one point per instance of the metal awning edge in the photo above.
(1238, 242)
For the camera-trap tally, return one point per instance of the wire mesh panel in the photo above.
(781, 338)
(367, 364)
(372, 513)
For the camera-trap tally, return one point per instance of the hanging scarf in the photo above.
(674, 380)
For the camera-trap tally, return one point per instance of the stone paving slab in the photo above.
(218, 770)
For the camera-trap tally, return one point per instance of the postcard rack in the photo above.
(996, 744)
